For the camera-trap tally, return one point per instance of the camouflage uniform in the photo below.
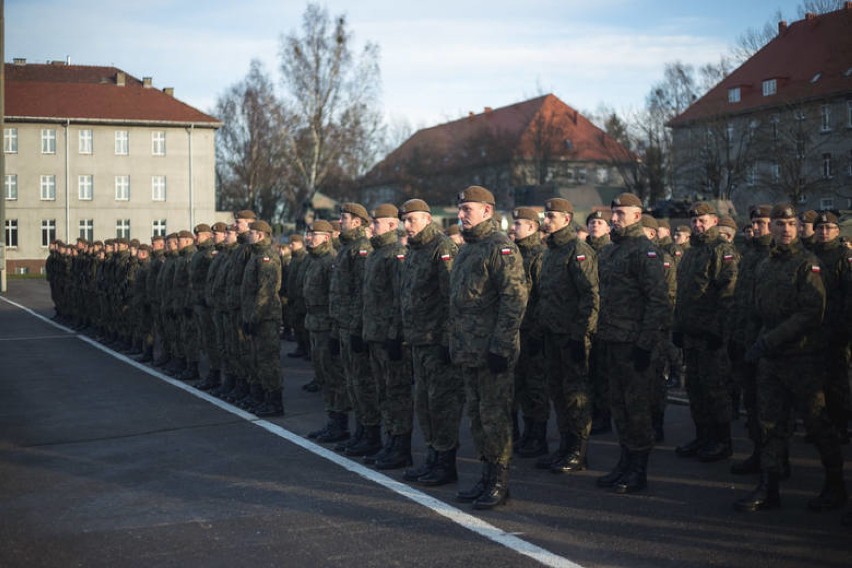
(143, 333)
(199, 267)
(183, 304)
(153, 296)
(217, 298)
(295, 300)
(238, 343)
(165, 284)
(598, 382)
(661, 355)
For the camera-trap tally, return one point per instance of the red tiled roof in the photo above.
(810, 59)
(90, 93)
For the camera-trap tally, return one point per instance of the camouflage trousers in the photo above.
(394, 390)
(707, 382)
(659, 363)
(438, 396)
(531, 381)
(362, 386)
(143, 328)
(568, 383)
(159, 332)
(266, 354)
(629, 395)
(207, 336)
(785, 384)
(598, 382)
(744, 375)
(171, 326)
(220, 321)
(238, 347)
(837, 396)
(329, 373)
(190, 336)
(303, 339)
(489, 407)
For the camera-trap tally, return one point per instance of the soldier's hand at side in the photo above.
(578, 351)
(357, 343)
(756, 351)
(394, 349)
(334, 346)
(641, 358)
(497, 363)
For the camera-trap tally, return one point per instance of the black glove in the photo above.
(714, 342)
(677, 339)
(357, 343)
(578, 351)
(641, 359)
(497, 363)
(394, 349)
(756, 351)
(334, 346)
(736, 351)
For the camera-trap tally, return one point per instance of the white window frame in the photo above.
(825, 118)
(122, 228)
(582, 175)
(775, 171)
(770, 87)
(751, 176)
(10, 187)
(158, 143)
(48, 140)
(827, 166)
(158, 188)
(122, 142)
(122, 188)
(734, 95)
(48, 232)
(11, 228)
(86, 229)
(826, 203)
(603, 176)
(85, 142)
(85, 187)
(158, 228)
(10, 140)
(47, 188)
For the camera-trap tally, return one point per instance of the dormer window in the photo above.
(770, 87)
(734, 95)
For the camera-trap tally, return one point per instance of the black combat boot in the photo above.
(337, 429)
(636, 477)
(370, 443)
(314, 434)
(444, 471)
(399, 455)
(190, 373)
(211, 381)
(749, 466)
(228, 384)
(496, 489)
(312, 386)
(833, 494)
(254, 399)
(475, 492)
(690, 450)
(536, 443)
(355, 439)
(136, 347)
(613, 477)
(370, 459)
(163, 360)
(719, 446)
(178, 367)
(147, 355)
(765, 496)
(240, 389)
(565, 442)
(602, 422)
(273, 405)
(575, 460)
(413, 473)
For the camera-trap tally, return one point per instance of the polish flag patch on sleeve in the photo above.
(505, 251)
(667, 264)
(400, 257)
(581, 257)
(652, 254)
(445, 257)
(815, 268)
(728, 257)
(678, 253)
(266, 259)
(362, 252)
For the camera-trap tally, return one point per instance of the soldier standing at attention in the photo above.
(568, 313)
(199, 266)
(680, 244)
(183, 303)
(707, 276)
(296, 304)
(143, 331)
(787, 308)
(806, 228)
(424, 301)
(153, 296)
(261, 316)
(597, 222)
(634, 310)
(488, 297)
(214, 344)
(217, 296)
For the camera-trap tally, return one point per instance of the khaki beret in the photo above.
(320, 227)
(475, 194)
(134, 243)
(156, 238)
(527, 213)
(626, 200)
(783, 211)
(413, 205)
(664, 224)
(296, 238)
(122, 241)
(185, 235)
(335, 225)
(385, 211)
(604, 215)
(559, 204)
(649, 222)
(700, 208)
(683, 229)
(808, 216)
(759, 211)
(144, 247)
(261, 226)
(246, 214)
(453, 230)
(100, 243)
(219, 227)
(172, 236)
(202, 228)
(728, 221)
(826, 218)
(355, 209)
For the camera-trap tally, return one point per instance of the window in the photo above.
(603, 175)
(581, 175)
(122, 188)
(770, 87)
(158, 188)
(11, 233)
(10, 139)
(87, 229)
(158, 143)
(84, 187)
(121, 143)
(48, 231)
(734, 95)
(48, 188)
(730, 132)
(11, 187)
(751, 176)
(158, 228)
(827, 172)
(85, 142)
(826, 203)
(848, 116)
(803, 199)
(48, 141)
(775, 124)
(122, 228)
(824, 118)
(775, 170)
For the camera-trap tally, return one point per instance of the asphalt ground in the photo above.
(106, 462)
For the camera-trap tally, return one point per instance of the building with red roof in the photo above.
(779, 126)
(94, 152)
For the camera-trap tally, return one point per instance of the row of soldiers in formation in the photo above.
(519, 323)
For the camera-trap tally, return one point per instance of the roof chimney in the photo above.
(782, 27)
(488, 110)
(19, 61)
(146, 82)
(120, 79)
(170, 91)
(810, 16)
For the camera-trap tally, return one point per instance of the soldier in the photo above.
(383, 333)
(599, 230)
(296, 304)
(597, 223)
(568, 312)
(727, 228)
(217, 298)
(424, 300)
(261, 316)
(488, 297)
(706, 279)
(165, 282)
(806, 228)
(681, 242)
(153, 298)
(788, 304)
(455, 235)
(530, 375)
(143, 327)
(634, 309)
(182, 307)
(206, 241)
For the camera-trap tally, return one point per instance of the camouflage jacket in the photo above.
(755, 251)
(634, 304)
(675, 250)
(532, 250)
(425, 287)
(568, 290)
(217, 278)
(488, 297)
(598, 243)
(165, 282)
(295, 277)
(834, 258)
(199, 266)
(706, 278)
(182, 298)
(236, 269)
(315, 287)
(789, 300)
(347, 281)
(382, 315)
(259, 293)
(139, 303)
(153, 293)
(122, 283)
(670, 275)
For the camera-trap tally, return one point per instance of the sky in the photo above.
(439, 59)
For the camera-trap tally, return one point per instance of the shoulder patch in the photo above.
(849, 260)
(678, 253)
(215, 252)
(815, 268)
(581, 257)
(652, 254)
(362, 252)
(400, 257)
(667, 264)
(505, 250)
(445, 257)
(728, 257)
(266, 259)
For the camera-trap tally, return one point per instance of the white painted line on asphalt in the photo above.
(38, 338)
(461, 518)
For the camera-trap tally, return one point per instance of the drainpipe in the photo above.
(67, 185)
(191, 200)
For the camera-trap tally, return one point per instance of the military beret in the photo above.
(296, 238)
(626, 200)
(98, 243)
(453, 230)
(81, 240)
(202, 228)
(759, 211)
(385, 211)
(320, 227)
(808, 216)
(134, 243)
(356, 209)
(261, 226)
(157, 238)
(649, 222)
(825, 218)
(683, 229)
(185, 234)
(558, 204)
(604, 215)
(413, 205)
(335, 225)
(664, 224)
(728, 221)
(527, 213)
(245, 214)
(145, 247)
(122, 241)
(106, 242)
(475, 194)
(700, 208)
(783, 211)
(219, 227)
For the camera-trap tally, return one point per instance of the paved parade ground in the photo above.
(106, 462)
